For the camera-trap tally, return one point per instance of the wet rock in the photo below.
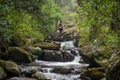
(17, 78)
(11, 68)
(28, 71)
(64, 37)
(67, 56)
(94, 73)
(84, 77)
(35, 51)
(40, 76)
(113, 71)
(2, 74)
(73, 52)
(48, 46)
(62, 70)
(17, 54)
(103, 79)
(51, 55)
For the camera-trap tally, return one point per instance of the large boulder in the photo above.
(113, 71)
(67, 56)
(11, 68)
(48, 46)
(36, 51)
(40, 76)
(17, 78)
(94, 74)
(2, 74)
(62, 70)
(17, 54)
(28, 71)
(51, 55)
(89, 54)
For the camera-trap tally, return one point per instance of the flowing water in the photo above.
(47, 66)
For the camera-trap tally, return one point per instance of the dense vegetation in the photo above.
(98, 21)
(27, 18)
(99, 24)
(27, 25)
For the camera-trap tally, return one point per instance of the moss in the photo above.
(10, 67)
(17, 54)
(102, 62)
(36, 51)
(40, 76)
(46, 45)
(95, 73)
(17, 78)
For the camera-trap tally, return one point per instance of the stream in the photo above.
(75, 67)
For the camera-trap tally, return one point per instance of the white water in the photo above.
(67, 44)
(55, 76)
(73, 64)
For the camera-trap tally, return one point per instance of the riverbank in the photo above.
(45, 60)
(42, 62)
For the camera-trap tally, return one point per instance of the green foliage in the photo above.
(95, 18)
(27, 18)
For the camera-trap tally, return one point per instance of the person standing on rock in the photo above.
(60, 28)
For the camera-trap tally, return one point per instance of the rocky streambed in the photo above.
(46, 61)
(42, 64)
(62, 69)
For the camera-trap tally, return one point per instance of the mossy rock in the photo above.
(2, 74)
(40, 76)
(102, 62)
(89, 54)
(28, 71)
(17, 54)
(11, 68)
(17, 78)
(51, 55)
(62, 70)
(49, 46)
(95, 73)
(35, 51)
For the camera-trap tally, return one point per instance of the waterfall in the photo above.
(74, 65)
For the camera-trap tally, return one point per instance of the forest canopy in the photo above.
(30, 18)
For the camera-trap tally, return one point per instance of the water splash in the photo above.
(49, 65)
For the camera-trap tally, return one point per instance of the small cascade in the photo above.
(73, 67)
(68, 45)
(47, 70)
